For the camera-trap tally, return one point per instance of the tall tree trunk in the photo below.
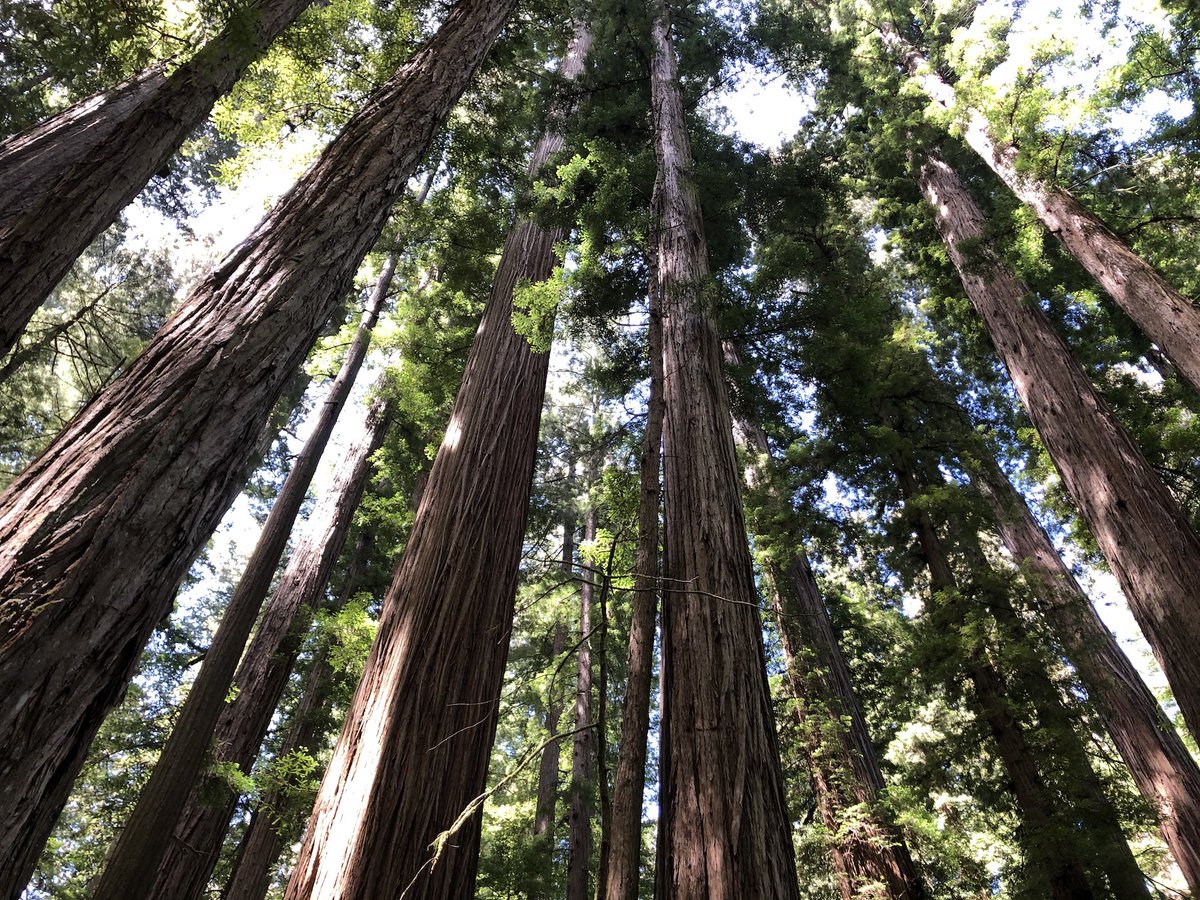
(624, 855)
(65, 180)
(727, 827)
(547, 792)
(421, 718)
(1144, 534)
(1037, 805)
(1165, 772)
(96, 534)
(867, 849)
(579, 847)
(1164, 315)
(146, 837)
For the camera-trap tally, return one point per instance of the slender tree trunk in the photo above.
(625, 830)
(579, 847)
(65, 180)
(1165, 772)
(146, 837)
(1036, 803)
(547, 794)
(1145, 536)
(96, 534)
(1164, 315)
(419, 718)
(725, 813)
(869, 853)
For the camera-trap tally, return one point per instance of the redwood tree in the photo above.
(96, 534)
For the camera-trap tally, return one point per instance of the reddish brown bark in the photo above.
(547, 792)
(1145, 536)
(579, 841)
(96, 534)
(1164, 771)
(65, 180)
(425, 711)
(724, 814)
(625, 830)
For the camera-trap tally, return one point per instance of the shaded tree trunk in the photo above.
(96, 534)
(625, 831)
(1164, 315)
(1036, 803)
(724, 812)
(579, 847)
(146, 837)
(1143, 533)
(547, 792)
(419, 718)
(1162, 768)
(868, 851)
(65, 180)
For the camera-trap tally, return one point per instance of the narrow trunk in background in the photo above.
(1164, 315)
(65, 180)
(868, 851)
(426, 709)
(624, 855)
(1162, 768)
(96, 534)
(1147, 539)
(547, 792)
(579, 842)
(146, 836)
(727, 829)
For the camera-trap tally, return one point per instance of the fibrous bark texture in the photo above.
(1165, 772)
(1141, 529)
(425, 712)
(96, 534)
(146, 836)
(1164, 315)
(624, 856)
(723, 812)
(579, 846)
(65, 180)
(868, 852)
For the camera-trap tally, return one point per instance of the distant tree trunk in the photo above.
(625, 830)
(1165, 772)
(547, 793)
(1164, 315)
(868, 851)
(418, 718)
(96, 534)
(579, 847)
(1145, 536)
(728, 832)
(261, 845)
(1036, 803)
(65, 180)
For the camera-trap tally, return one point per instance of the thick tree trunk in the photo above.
(868, 851)
(146, 836)
(1164, 315)
(727, 827)
(1161, 766)
(65, 180)
(625, 830)
(579, 845)
(1036, 803)
(426, 709)
(1145, 536)
(96, 534)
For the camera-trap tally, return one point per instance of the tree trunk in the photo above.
(1037, 805)
(96, 534)
(625, 830)
(1145, 536)
(869, 853)
(1164, 315)
(146, 837)
(547, 793)
(1161, 766)
(579, 847)
(65, 180)
(727, 828)
(421, 718)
